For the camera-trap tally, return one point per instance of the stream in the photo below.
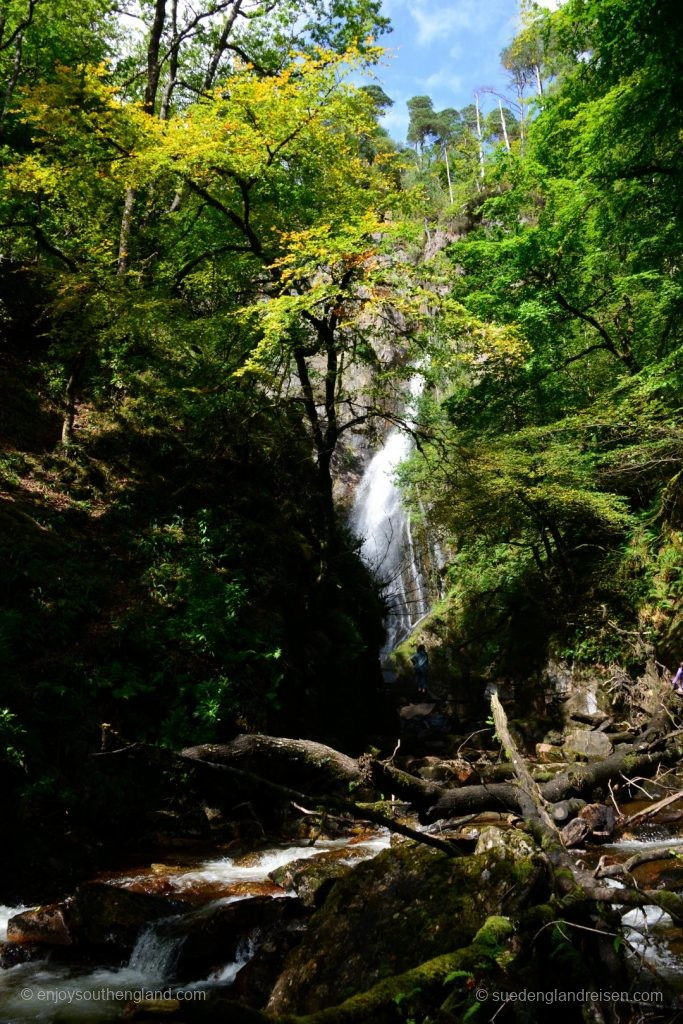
(655, 940)
(54, 991)
(48, 992)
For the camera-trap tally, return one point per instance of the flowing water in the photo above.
(379, 519)
(656, 942)
(47, 992)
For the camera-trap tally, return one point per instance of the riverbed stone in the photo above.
(600, 818)
(587, 744)
(575, 832)
(12, 954)
(49, 925)
(311, 878)
(511, 843)
(548, 753)
(404, 907)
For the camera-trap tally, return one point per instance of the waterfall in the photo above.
(380, 521)
(157, 948)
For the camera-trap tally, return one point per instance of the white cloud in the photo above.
(437, 22)
(396, 122)
(444, 78)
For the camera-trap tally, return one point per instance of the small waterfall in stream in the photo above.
(157, 949)
(380, 521)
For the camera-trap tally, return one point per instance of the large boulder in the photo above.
(390, 914)
(311, 878)
(585, 743)
(108, 915)
(215, 935)
(511, 843)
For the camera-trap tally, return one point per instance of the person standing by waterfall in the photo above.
(420, 662)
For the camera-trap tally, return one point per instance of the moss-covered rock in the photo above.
(311, 878)
(407, 906)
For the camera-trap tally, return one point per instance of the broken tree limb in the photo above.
(647, 812)
(527, 785)
(628, 866)
(387, 778)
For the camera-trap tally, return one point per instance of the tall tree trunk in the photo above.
(448, 174)
(124, 235)
(539, 82)
(480, 138)
(70, 398)
(504, 125)
(11, 82)
(520, 100)
(212, 69)
(153, 64)
(173, 58)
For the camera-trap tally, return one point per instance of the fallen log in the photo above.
(566, 809)
(386, 778)
(577, 781)
(258, 785)
(299, 763)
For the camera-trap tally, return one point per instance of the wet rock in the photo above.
(257, 978)
(312, 878)
(584, 743)
(108, 915)
(575, 832)
(427, 726)
(412, 711)
(406, 906)
(12, 954)
(547, 753)
(511, 843)
(49, 925)
(214, 935)
(600, 818)
(555, 738)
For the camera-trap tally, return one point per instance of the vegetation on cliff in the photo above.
(204, 234)
(553, 469)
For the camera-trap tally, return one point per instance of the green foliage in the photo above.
(553, 469)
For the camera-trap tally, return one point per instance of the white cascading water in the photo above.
(379, 519)
(88, 995)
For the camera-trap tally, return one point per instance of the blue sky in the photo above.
(444, 50)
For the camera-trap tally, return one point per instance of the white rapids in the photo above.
(51, 993)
